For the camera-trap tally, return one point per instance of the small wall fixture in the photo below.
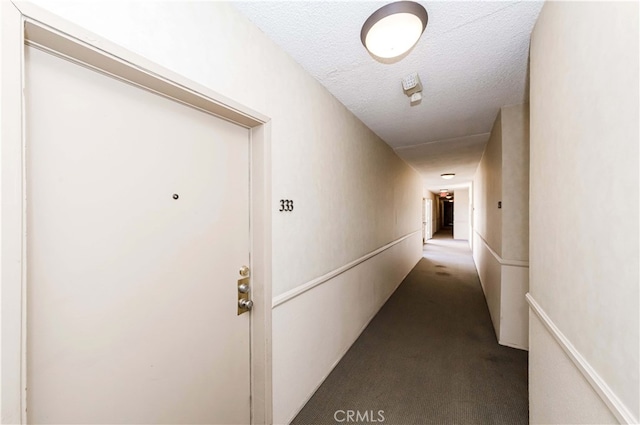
(447, 176)
(394, 29)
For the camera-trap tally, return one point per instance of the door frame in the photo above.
(428, 208)
(23, 24)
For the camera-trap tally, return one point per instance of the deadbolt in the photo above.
(243, 288)
(244, 271)
(245, 304)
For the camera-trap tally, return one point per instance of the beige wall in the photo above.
(501, 235)
(487, 184)
(515, 182)
(490, 275)
(352, 194)
(503, 176)
(560, 395)
(584, 252)
(461, 216)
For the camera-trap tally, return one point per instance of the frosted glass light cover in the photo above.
(394, 35)
(391, 31)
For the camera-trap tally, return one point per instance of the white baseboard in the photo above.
(510, 345)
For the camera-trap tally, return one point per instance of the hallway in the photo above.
(429, 356)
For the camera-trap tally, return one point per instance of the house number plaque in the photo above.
(286, 205)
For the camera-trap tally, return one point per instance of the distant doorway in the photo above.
(447, 214)
(427, 220)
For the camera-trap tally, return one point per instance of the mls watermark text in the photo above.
(356, 416)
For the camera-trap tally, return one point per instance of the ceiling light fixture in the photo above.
(394, 29)
(447, 176)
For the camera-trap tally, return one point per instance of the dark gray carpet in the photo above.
(429, 356)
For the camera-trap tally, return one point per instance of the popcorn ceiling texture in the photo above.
(472, 60)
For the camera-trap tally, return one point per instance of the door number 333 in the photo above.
(286, 205)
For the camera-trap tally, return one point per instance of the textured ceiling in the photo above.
(472, 60)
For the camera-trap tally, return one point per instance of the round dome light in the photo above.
(394, 29)
(447, 176)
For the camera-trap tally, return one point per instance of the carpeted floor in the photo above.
(429, 356)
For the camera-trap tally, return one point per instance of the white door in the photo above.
(137, 221)
(428, 208)
(424, 220)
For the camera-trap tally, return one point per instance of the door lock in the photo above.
(245, 304)
(244, 287)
